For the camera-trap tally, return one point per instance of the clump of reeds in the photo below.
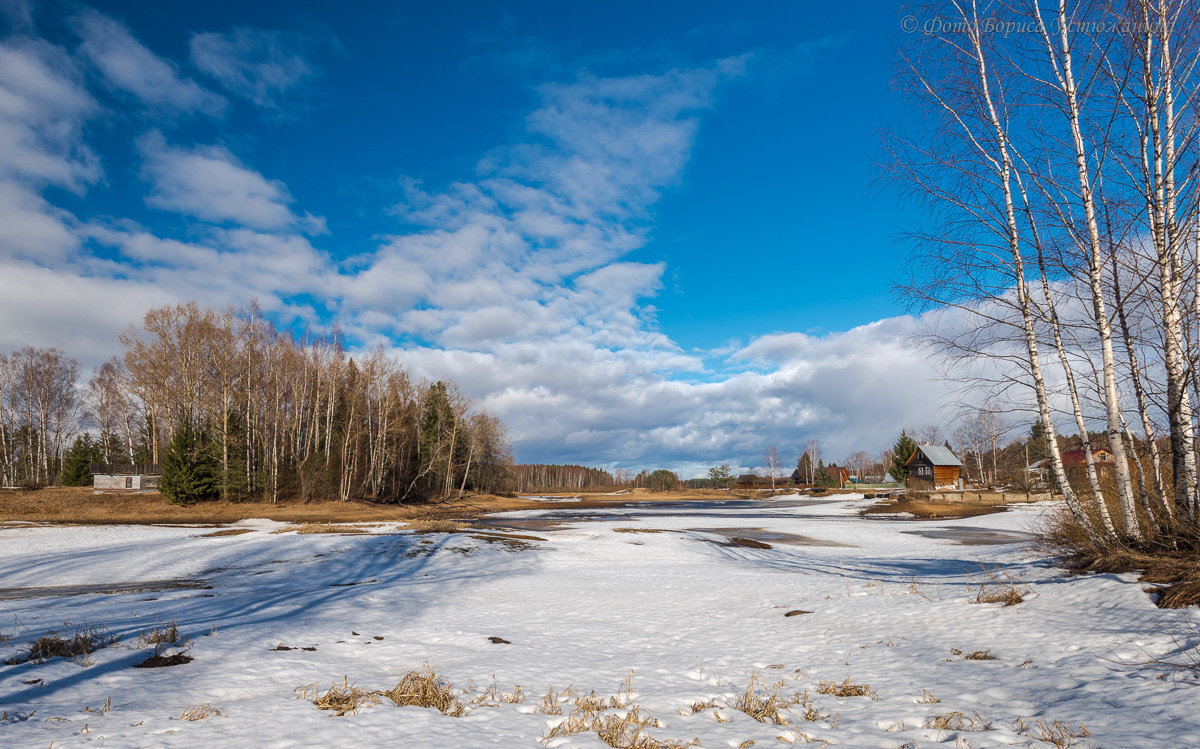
(1009, 596)
(305, 528)
(102, 710)
(426, 689)
(430, 525)
(974, 655)
(624, 730)
(765, 704)
(160, 634)
(927, 698)
(1057, 734)
(493, 697)
(344, 699)
(75, 642)
(958, 721)
(549, 704)
(1001, 588)
(844, 689)
(203, 712)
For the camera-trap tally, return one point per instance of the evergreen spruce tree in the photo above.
(1039, 446)
(901, 451)
(190, 470)
(822, 477)
(77, 462)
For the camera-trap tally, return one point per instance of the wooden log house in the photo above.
(933, 467)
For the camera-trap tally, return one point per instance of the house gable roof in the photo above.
(937, 455)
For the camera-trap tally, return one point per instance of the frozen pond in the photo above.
(671, 612)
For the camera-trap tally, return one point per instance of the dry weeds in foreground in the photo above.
(76, 642)
(433, 525)
(846, 689)
(958, 721)
(426, 689)
(202, 712)
(614, 720)
(307, 528)
(160, 634)
(1056, 734)
(341, 700)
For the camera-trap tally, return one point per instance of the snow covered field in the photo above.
(689, 616)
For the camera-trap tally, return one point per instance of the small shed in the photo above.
(125, 477)
(933, 467)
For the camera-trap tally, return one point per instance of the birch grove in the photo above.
(280, 414)
(1058, 158)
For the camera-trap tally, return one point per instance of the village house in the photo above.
(1075, 463)
(933, 467)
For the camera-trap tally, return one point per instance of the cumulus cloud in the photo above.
(128, 65)
(261, 66)
(43, 108)
(210, 183)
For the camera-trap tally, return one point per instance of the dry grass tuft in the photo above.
(426, 689)
(1056, 734)
(699, 707)
(765, 704)
(493, 697)
(1007, 596)
(1000, 587)
(342, 700)
(160, 634)
(306, 528)
(75, 642)
(620, 731)
(227, 532)
(927, 698)
(974, 655)
(958, 721)
(845, 689)
(203, 712)
(549, 704)
(103, 709)
(428, 525)
(637, 530)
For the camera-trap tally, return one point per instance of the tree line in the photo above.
(235, 409)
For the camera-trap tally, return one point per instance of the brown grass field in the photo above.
(81, 506)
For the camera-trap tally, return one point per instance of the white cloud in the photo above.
(130, 66)
(43, 107)
(209, 182)
(261, 66)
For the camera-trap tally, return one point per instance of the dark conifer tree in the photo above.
(77, 461)
(190, 470)
(901, 451)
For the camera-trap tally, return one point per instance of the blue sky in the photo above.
(642, 234)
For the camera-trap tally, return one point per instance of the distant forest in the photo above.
(240, 409)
